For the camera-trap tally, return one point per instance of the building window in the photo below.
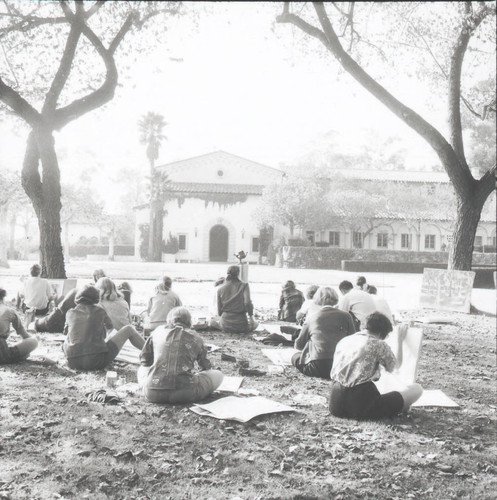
(430, 241)
(382, 240)
(255, 245)
(405, 241)
(182, 241)
(357, 239)
(334, 238)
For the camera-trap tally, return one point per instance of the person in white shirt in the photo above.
(37, 292)
(356, 302)
(380, 303)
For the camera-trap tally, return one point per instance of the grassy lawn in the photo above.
(56, 444)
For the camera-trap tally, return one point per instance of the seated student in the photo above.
(167, 363)
(380, 303)
(308, 304)
(161, 303)
(357, 302)
(55, 321)
(86, 346)
(361, 284)
(113, 303)
(355, 367)
(321, 332)
(126, 290)
(16, 352)
(37, 292)
(291, 300)
(233, 304)
(215, 320)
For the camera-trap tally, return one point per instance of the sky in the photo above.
(237, 82)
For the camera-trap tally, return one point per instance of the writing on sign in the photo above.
(447, 290)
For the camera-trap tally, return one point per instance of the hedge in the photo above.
(331, 257)
(84, 250)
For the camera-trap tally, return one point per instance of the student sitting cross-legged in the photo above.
(86, 346)
(322, 330)
(356, 365)
(167, 373)
(14, 352)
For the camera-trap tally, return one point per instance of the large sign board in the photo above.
(447, 290)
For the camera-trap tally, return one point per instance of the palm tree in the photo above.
(150, 127)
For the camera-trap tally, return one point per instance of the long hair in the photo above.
(108, 290)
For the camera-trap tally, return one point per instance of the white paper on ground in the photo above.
(230, 384)
(282, 357)
(240, 409)
(435, 397)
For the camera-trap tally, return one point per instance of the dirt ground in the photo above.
(56, 444)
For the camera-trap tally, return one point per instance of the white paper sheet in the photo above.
(240, 409)
(435, 397)
(281, 357)
(230, 384)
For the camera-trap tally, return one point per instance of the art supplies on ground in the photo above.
(240, 409)
(282, 357)
(435, 397)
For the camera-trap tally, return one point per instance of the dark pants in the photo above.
(363, 401)
(318, 368)
(54, 322)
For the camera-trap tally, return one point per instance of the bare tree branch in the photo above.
(460, 174)
(64, 69)
(19, 105)
(468, 26)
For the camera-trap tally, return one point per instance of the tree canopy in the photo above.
(372, 41)
(61, 63)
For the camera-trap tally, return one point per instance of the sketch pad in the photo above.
(230, 384)
(281, 357)
(240, 409)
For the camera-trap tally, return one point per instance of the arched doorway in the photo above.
(218, 244)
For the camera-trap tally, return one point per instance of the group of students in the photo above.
(96, 321)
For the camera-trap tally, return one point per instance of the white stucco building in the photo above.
(215, 196)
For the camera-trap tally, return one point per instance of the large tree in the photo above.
(150, 127)
(61, 64)
(336, 24)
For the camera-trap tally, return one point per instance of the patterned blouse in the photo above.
(358, 358)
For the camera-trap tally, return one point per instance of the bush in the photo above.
(172, 245)
(84, 250)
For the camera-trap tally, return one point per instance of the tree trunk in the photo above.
(155, 234)
(45, 197)
(3, 239)
(461, 249)
(12, 235)
(66, 241)
(111, 245)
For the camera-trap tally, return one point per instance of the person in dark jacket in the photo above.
(86, 346)
(322, 331)
(291, 301)
(234, 304)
